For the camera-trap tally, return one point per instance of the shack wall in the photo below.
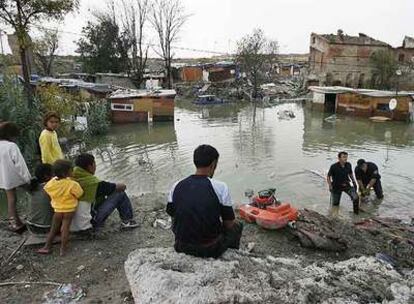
(159, 108)
(367, 106)
(191, 74)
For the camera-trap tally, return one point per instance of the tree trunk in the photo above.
(26, 76)
(254, 111)
(168, 76)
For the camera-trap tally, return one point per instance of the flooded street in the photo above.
(289, 155)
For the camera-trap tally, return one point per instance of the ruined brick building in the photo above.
(343, 60)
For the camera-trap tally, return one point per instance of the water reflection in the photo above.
(290, 155)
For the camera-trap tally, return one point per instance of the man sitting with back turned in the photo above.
(202, 210)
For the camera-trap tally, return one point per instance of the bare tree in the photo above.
(135, 18)
(167, 18)
(255, 53)
(20, 14)
(44, 50)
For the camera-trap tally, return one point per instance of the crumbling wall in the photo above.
(341, 63)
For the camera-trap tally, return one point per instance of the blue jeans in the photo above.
(119, 201)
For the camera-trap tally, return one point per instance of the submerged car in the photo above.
(208, 99)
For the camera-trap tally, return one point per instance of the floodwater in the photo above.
(290, 155)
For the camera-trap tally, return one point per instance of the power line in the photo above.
(148, 44)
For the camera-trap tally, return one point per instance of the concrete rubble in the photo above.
(160, 275)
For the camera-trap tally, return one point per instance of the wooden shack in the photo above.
(191, 73)
(129, 106)
(363, 103)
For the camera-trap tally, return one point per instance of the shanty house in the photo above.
(364, 103)
(142, 106)
(191, 73)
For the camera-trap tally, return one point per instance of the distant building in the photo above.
(191, 73)
(118, 80)
(208, 72)
(342, 60)
(289, 69)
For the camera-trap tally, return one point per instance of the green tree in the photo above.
(384, 66)
(21, 14)
(13, 107)
(103, 48)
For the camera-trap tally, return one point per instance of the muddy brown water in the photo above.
(270, 152)
(290, 155)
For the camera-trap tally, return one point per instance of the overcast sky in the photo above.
(215, 25)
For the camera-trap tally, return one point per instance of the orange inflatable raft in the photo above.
(273, 217)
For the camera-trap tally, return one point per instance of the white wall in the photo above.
(318, 98)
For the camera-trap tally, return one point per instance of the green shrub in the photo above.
(53, 98)
(14, 108)
(98, 117)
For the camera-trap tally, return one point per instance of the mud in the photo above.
(97, 265)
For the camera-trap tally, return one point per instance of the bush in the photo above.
(98, 118)
(52, 98)
(14, 108)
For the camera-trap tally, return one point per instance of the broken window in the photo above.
(122, 107)
(349, 80)
(361, 81)
(383, 107)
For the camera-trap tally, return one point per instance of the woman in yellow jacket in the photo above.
(49, 144)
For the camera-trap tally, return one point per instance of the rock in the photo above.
(160, 275)
(163, 224)
(250, 246)
(80, 268)
(65, 293)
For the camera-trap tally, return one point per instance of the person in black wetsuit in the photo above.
(367, 176)
(201, 209)
(339, 177)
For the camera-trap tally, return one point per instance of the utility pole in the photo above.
(398, 73)
(1, 42)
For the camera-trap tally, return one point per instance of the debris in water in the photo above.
(331, 118)
(286, 114)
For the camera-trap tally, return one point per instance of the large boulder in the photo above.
(160, 275)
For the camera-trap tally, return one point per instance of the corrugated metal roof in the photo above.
(365, 92)
(124, 94)
(330, 90)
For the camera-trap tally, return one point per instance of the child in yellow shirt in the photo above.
(64, 193)
(48, 141)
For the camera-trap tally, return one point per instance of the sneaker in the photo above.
(131, 224)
